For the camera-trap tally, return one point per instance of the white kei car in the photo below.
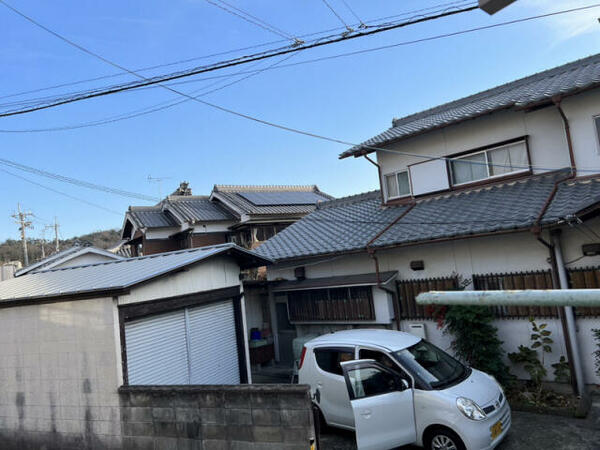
(394, 388)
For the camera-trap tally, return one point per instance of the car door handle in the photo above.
(366, 413)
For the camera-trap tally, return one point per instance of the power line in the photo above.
(333, 11)
(74, 181)
(224, 64)
(326, 138)
(253, 19)
(159, 107)
(226, 52)
(151, 109)
(61, 193)
(353, 13)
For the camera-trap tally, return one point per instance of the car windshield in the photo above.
(432, 365)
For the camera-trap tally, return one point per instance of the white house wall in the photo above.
(516, 252)
(215, 273)
(547, 141)
(160, 233)
(212, 227)
(580, 111)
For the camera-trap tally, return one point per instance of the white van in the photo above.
(394, 389)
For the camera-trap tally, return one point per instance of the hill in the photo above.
(12, 250)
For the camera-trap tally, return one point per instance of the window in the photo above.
(504, 160)
(597, 124)
(329, 359)
(397, 184)
(332, 305)
(371, 381)
(381, 358)
(432, 365)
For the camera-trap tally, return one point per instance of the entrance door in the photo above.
(286, 333)
(382, 404)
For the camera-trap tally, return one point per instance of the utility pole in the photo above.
(44, 242)
(56, 227)
(21, 219)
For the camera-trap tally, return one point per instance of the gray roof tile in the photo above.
(196, 208)
(348, 224)
(151, 217)
(541, 87)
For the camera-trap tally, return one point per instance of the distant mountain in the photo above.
(12, 250)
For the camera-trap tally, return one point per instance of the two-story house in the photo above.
(245, 215)
(479, 193)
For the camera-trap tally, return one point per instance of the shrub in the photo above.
(476, 339)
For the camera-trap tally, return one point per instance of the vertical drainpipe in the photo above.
(568, 313)
(557, 101)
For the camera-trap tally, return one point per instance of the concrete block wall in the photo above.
(58, 377)
(255, 417)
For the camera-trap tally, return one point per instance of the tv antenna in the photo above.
(158, 181)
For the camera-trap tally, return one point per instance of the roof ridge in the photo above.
(355, 198)
(266, 187)
(137, 258)
(570, 66)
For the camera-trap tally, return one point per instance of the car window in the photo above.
(371, 381)
(384, 360)
(329, 359)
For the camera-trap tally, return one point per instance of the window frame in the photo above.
(596, 126)
(395, 175)
(485, 151)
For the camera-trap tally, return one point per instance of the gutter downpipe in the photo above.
(557, 100)
(568, 313)
(372, 254)
(557, 265)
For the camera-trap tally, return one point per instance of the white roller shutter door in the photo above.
(213, 344)
(192, 346)
(157, 350)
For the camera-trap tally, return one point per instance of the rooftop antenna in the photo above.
(158, 181)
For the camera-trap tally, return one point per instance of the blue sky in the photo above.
(350, 98)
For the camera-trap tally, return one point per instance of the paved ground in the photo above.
(528, 432)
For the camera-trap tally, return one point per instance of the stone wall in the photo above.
(252, 417)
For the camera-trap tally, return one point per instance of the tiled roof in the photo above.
(348, 224)
(233, 197)
(196, 208)
(151, 217)
(532, 90)
(113, 275)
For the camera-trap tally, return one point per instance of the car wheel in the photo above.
(444, 439)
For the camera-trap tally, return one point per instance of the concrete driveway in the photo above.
(528, 432)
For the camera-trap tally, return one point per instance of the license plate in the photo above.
(496, 429)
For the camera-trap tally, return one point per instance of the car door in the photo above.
(382, 405)
(331, 393)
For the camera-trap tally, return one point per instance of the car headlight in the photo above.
(469, 408)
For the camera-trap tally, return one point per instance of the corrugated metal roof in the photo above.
(151, 217)
(196, 208)
(113, 275)
(235, 197)
(348, 224)
(532, 90)
(63, 256)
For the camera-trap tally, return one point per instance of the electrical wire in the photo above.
(315, 135)
(246, 17)
(196, 58)
(151, 109)
(277, 30)
(336, 15)
(218, 66)
(353, 13)
(75, 181)
(72, 197)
